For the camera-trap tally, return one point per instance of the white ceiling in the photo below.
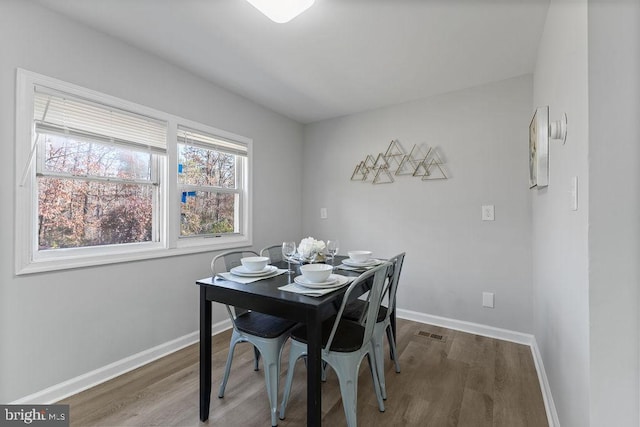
(337, 58)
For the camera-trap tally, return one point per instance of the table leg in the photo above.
(205, 354)
(314, 370)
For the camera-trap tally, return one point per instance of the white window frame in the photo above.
(214, 143)
(244, 185)
(28, 259)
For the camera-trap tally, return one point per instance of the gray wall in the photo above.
(59, 325)
(614, 211)
(452, 256)
(560, 250)
(585, 272)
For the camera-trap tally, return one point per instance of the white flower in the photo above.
(309, 246)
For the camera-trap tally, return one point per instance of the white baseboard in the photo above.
(470, 327)
(83, 382)
(549, 406)
(498, 333)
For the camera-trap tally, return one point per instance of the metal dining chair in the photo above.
(273, 252)
(345, 343)
(267, 334)
(357, 309)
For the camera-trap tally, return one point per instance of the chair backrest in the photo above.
(228, 260)
(394, 278)
(273, 252)
(373, 300)
(390, 285)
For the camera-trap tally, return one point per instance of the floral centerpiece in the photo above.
(311, 250)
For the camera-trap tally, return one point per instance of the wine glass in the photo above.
(288, 250)
(332, 249)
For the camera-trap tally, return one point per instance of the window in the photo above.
(95, 185)
(96, 173)
(208, 178)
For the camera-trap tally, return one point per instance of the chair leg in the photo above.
(256, 358)
(271, 362)
(377, 343)
(346, 368)
(392, 346)
(296, 351)
(376, 382)
(232, 346)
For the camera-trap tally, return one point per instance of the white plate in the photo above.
(352, 263)
(243, 272)
(301, 280)
(334, 281)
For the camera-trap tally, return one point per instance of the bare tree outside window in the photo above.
(93, 194)
(204, 174)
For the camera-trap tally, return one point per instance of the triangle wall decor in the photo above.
(422, 162)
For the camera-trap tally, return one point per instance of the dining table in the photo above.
(265, 297)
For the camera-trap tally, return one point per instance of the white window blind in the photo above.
(204, 140)
(57, 112)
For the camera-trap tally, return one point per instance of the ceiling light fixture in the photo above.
(281, 11)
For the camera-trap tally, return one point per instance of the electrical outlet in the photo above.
(323, 213)
(488, 213)
(488, 299)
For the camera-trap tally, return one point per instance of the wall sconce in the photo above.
(541, 131)
(558, 129)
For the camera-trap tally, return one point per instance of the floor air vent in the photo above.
(436, 337)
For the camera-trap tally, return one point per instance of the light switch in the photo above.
(488, 213)
(573, 193)
(323, 213)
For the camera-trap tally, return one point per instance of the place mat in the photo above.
(299, 289)
(246, 280)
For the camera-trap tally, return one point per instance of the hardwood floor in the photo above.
(461, 380)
